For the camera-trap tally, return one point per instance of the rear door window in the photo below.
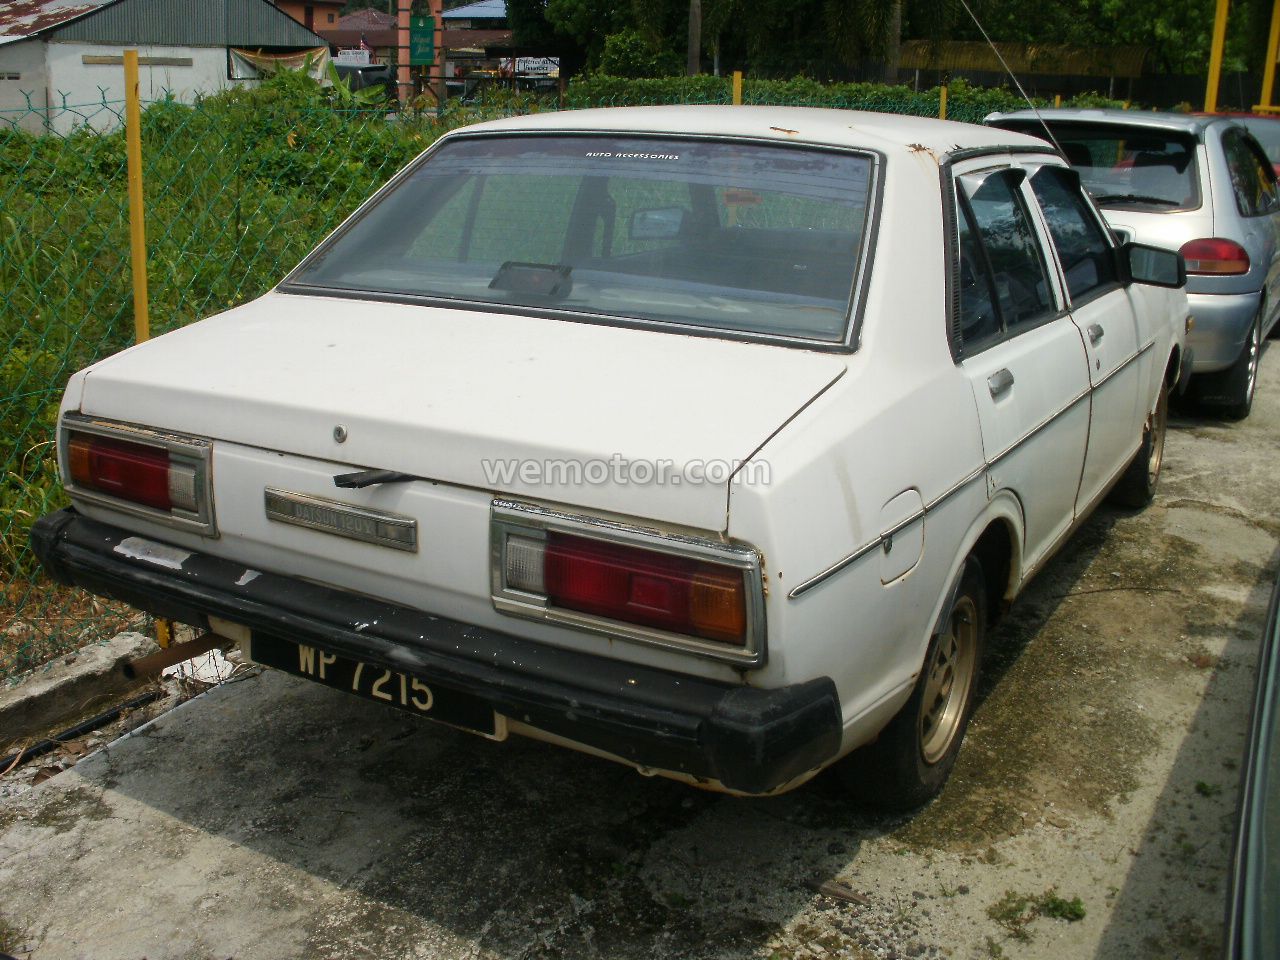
(1083, 249)
(1004, 284)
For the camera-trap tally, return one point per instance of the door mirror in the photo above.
(1153, 266)
(660, 223)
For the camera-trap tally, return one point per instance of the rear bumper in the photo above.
(746, 739)
(1222, 322)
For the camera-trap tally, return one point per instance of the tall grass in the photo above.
(237, 188)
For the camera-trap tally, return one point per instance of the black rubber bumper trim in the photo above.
(749, 739)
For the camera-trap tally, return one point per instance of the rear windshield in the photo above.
(735, 237)
(1127, 167)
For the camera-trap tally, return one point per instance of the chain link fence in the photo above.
(238, 187)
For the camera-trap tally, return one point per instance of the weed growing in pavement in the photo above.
(1015, 911)
(1052, 905)
(11, 937)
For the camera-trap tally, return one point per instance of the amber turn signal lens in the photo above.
(718, 606)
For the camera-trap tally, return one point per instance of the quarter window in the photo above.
(1251, 180)
(1082, 246)
(1003, 284)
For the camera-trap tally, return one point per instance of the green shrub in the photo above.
(964, 101)
(628, 54)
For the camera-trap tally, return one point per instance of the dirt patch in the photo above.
(1062, 729)
(65, 810)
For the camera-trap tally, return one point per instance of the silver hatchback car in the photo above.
(1201, 185)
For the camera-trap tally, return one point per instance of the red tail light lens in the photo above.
(136, 472)
(645, 587)
(1214, 256)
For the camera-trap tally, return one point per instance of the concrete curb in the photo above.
(62, 692)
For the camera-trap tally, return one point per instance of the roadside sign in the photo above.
(422, 36)
(358, 58)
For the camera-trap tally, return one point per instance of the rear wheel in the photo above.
(1231, 391)
(910, 761)
(1137, 485)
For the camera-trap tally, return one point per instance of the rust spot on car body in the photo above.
(921, 148)
(790, 133)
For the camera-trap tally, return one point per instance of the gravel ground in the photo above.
(1090, 815)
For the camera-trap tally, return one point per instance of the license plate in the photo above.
(394, 688)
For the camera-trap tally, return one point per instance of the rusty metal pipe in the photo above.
(176, 653)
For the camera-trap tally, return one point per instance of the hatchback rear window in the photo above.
(1126, 166)
(736, 237)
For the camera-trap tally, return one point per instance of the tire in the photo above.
(910, 761)
(1137, 485)
(1231, 391)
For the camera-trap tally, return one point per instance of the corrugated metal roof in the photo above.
(24, 18)
(1024, 58)
(367, 19)
(233, 23)
(480, 10)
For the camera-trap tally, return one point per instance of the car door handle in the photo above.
(999, 382)
(1095, 332)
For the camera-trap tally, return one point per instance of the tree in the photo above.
(694, 59)
(825, 37)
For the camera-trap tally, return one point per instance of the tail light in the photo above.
(158, 475)
(1213, 256)
(703, 596)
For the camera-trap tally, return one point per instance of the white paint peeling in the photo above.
(160, 554)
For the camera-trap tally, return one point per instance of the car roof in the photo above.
(1151, 120)
(886, 132)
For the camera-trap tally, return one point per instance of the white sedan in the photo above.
(710, 440)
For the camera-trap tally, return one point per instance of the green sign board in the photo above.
(422, 37)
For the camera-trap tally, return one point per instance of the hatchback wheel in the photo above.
(909, 762)
(1231, 391)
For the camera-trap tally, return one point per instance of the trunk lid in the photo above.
(469, 398)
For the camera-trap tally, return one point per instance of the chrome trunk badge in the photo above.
(342, 519)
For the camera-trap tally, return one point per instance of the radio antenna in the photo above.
(996, 50)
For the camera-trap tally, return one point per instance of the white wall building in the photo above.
(62, 60)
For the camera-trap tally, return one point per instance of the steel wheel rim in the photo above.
(1157, 424)
(1255, 344)
(948, 677)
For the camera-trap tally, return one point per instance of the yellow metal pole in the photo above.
(737, 85)
(137, 227)
(1273, 50)
(942, 102)
(137, 231)
(1057, 97)
(1215, 56)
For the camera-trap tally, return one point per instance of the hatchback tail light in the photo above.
(159, 475)
(700, 595)
(1213, 256)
